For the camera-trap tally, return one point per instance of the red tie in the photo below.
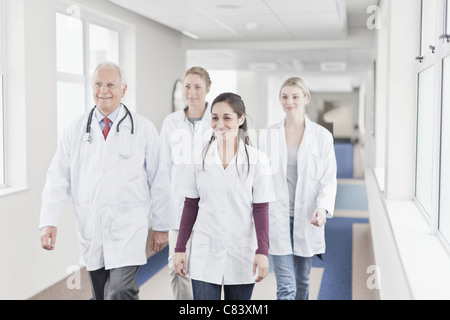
(106, 129)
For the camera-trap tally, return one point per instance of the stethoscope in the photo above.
(88, 135)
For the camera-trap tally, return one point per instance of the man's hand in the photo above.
(159, 240)
(48, 238)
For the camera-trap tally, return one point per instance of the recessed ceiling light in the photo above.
(251, 26)
(263, 66)
(333, 66)
(228, 6)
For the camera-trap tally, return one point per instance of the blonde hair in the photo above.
(298, 83)
(202, 73)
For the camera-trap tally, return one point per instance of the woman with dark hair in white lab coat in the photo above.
(304, 174)
(228, 194)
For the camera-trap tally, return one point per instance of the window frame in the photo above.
(425, 60)
(3, 178)
(436, 59)
(87, 18)
(443, 52)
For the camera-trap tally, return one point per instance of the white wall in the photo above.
(152, 58)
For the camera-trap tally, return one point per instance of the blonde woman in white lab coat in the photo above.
(304, 175)
(184, 134)
(228, 194)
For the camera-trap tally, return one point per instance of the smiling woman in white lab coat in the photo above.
(184, 133)
(227, 197)
(304, 173)
(113, 180)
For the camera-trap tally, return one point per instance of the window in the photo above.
(428, 26)
(223, 81)
(448, 18)
(81, 46)
(2, 136)
(2, 144)
(433, 117)
(424, 168)
(444, 208)
(103, 46)
(444, 174)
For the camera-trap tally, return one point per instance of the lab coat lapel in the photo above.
(213, 156)
(283, 147)
(96, 131)
(125, 123)
(241, 156)
(305, 140)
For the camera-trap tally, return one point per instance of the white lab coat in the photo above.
(182, 144)
(224, 241)
(111, 196)
(316, 188)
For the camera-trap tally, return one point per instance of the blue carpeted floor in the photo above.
(154, 264)
(337, 261)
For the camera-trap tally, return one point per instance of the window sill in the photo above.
(424, 258)
(11, 190)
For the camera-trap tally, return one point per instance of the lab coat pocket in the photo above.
(128, 221)
(85, 223)
(125, 142)
(199, 255)
(248, 248)
(315, 167)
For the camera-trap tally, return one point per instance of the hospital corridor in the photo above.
(372, 83)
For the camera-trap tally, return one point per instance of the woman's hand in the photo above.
(180, 263)
(260, 266)
(319, 217)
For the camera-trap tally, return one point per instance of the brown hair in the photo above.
(238, 106)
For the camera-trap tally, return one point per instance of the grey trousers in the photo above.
(115, 284)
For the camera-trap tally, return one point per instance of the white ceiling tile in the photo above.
(330, 55)
(301, 6)
(157, 9)
(311, 21)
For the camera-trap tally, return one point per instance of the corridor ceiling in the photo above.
(331, 41)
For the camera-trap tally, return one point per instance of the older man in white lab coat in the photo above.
(107, 161)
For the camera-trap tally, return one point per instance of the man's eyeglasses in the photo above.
(111, 86)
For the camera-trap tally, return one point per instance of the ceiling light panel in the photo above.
(223, 8)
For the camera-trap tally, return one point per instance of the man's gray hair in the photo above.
(113, 65)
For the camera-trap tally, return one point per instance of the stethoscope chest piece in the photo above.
(87, 138)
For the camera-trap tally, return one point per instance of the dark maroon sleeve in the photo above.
(190, 211)
(261, 218)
